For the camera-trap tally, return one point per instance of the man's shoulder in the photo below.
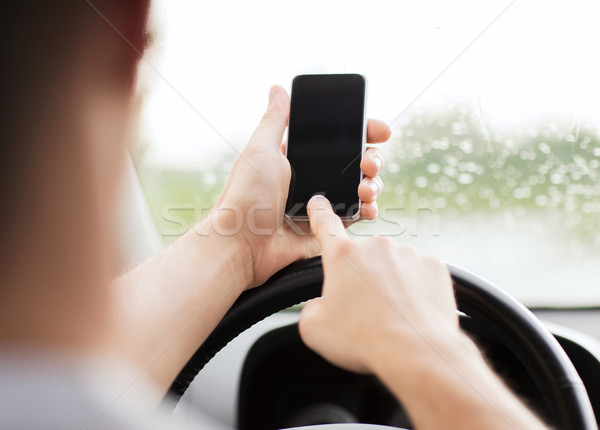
(64, 394)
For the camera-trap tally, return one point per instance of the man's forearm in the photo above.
(450, 386)
(166, 307)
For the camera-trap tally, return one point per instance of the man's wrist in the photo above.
(220, 234)
(446, 382)
(411, 362)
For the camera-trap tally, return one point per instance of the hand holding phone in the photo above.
(326, 140)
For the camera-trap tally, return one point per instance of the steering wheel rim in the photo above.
(545, 359)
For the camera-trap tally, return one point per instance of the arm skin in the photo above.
(394, 315)
(452, 387)
(166, 307)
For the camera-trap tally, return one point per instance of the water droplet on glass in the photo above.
(556, 178)
(465, 178)
(421, 182)
(433, 168)
(544, 147)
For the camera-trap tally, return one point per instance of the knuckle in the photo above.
(434, 264)
(377, 153)
(369, 210)
(307, 320)
(304, 329)
(407, 249)
(379, 183)
(272, 115)
(342, 247)
(381, 242)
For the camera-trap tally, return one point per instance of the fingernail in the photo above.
(317, 200)
(378, 162)
(272, 92)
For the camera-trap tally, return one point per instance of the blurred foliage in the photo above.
(448, 160)
(454, 164)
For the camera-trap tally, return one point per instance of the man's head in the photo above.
(66, 83)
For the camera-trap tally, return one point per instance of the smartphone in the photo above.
(326, 140)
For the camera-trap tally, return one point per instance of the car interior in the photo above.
(493, 166)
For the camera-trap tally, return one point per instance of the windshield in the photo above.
(495, 155)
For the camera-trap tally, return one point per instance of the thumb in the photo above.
(324, 223)
(269, 132)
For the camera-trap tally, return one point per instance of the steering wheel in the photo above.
(565, 400)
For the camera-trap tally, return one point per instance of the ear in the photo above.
(135, 21)
(123, 33)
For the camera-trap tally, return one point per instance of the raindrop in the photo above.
(466, 146)
(465, 178)
(591, 207)
(544, 147)
(450, 171)
(393, 168)
(442, 144)
(486, 193)
(421, 182)
(527, 155)
(209, 179)
(440, 202)
(451, 160)
(461, 199)
(522, 193)
(556, 178)
(433, 168)
(532, 132)
(459, 128)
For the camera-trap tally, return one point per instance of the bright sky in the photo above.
(214, 61)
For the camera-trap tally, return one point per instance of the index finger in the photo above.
(324, 223)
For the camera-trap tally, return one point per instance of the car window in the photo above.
(495, 155)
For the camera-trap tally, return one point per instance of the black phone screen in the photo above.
(325, 141)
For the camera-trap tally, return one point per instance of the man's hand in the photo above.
(166, 307)
(376, 294)
(251, 207)
(385, 310)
